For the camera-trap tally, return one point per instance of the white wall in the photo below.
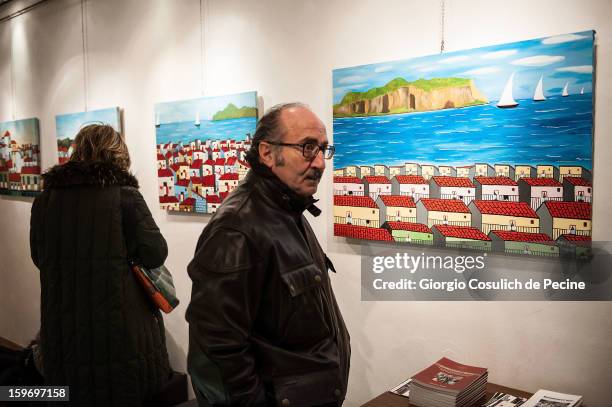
(147, 51)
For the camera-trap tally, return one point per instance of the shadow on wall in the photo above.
(178, 361)
(362, 351)
(177, 355)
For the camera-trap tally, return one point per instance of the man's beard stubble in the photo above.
(314, 174)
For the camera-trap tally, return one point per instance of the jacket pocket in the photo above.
(308, 389)
(302, 279)
(305, 316)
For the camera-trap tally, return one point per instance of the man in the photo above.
(264, 325)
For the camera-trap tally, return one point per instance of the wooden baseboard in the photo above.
(9, 344)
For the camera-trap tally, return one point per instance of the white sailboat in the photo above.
(538, 96)
(197, 120)
(582, 91)
(565, 93)
(157, 123)
(506, 100)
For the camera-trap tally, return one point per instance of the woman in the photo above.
(100, 335)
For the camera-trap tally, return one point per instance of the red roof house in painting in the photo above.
(348, 186)
(460, 237)
(536, 244)
(376, 185)
(408, 226)
(504, 215)
(414, 186)
(397, 208)
(535, 191)
(362, 232)
(356, 210)
(431, 211)
(559, 218)
(461, 232)
(496, 188)
(354, 201)
(443, 187)
(577, 189)
(542, 238)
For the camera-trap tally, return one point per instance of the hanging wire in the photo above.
(202, 41)
(442, 23)
(22, 11)
(85, 59)
(12, 72)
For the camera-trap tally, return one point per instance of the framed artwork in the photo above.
(489, 148)
(68, 125)
(201, 149)
(20, 157)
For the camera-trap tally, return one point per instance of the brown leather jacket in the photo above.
(264, 325)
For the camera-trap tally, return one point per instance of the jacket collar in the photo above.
(279, 192)
(78, 173)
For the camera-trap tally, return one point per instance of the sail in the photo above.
(506, 99)
(157, 123)
(582, 91)
(539, 92)
(197, 119)
(565, 93)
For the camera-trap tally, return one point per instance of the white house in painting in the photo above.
(348, 186)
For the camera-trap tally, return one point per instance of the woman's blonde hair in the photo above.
(100, 142)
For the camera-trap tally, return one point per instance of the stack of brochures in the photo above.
(447, 383)
(550, 398)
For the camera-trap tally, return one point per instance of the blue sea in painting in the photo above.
(557, 131)
(186, 131)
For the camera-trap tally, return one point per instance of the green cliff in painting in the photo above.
(65, 142)
(234, 112)
(402, 96)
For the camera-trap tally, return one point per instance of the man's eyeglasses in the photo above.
(310, 150)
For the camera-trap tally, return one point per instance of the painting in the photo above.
(20, 157)
(201, 149)
(486, 149)
(68, 125)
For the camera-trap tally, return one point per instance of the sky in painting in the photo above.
(185, 110)
(22, 131)
(558, 59)
(68, 125)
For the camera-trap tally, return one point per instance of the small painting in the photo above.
(201, 149)
(68, 125)
(20, 157)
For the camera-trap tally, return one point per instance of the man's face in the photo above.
(288, 163)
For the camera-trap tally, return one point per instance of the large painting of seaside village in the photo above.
(20, 157)
(68, 125)
(201, 149)
(487, 149)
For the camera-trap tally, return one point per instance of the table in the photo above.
(388, 399)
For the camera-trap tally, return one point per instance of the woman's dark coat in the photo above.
(100, 335)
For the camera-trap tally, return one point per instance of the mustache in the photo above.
(314, 174)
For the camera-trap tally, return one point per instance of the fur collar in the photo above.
(77, 173)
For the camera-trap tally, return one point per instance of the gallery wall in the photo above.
(140, 52)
